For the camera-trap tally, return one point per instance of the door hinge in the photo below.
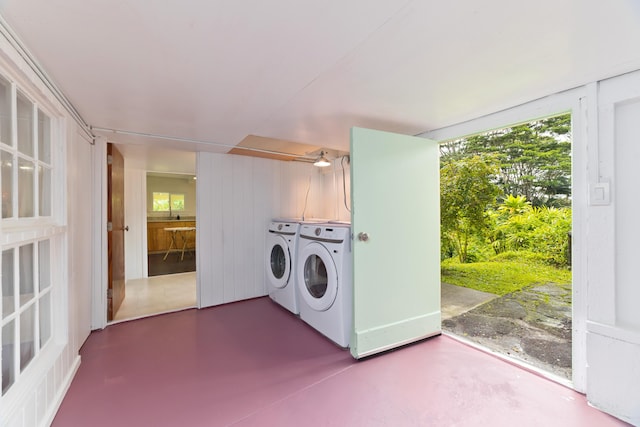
(109, 159)
(109, 226)
(109, 293)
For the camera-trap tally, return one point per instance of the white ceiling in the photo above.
(307, 71)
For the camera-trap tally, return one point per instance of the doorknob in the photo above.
(125, 228)
(363, 237)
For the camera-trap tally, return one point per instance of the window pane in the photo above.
(44, 264)
(26, 273)
(177, 202)
(27, 334)
(25, 125)
(160, 202)
(8, 355)
(7, 184)
(5, 111)
(25, 188)
(45, 319)
(44, 190)
(8, 286)
(44, 137)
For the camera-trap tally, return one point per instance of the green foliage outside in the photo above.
(160, 202)
(534, 159)
(506, 207)
(543, 231)
(466, 192)
(502, 276)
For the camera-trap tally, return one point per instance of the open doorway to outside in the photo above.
(506, 242)
(160, 258)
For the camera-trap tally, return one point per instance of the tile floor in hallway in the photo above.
(158, 294)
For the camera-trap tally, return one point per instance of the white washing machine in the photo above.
(282, 240)
(324, 279)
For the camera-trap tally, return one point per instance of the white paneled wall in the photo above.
(237, 197)
(334, 189)
(135, 208)
(613, 320)
(80, 225)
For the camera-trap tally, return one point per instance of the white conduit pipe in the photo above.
(198, 141)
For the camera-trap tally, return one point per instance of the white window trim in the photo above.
(17, 231)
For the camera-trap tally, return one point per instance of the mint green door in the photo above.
(395, 217)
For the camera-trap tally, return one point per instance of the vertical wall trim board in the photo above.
(55, 403)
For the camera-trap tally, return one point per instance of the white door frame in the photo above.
(100, 251)
(100, 262)
(578, 102)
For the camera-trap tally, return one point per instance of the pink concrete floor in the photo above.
(254, 364)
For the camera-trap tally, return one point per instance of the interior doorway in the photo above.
(506, 242)
(159, 256)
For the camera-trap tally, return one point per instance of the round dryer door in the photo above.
(278, 261)
(317, 277)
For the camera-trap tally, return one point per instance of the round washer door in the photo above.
(317, 277)
(278, 261)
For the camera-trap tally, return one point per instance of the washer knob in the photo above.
(279, 227)
(318, 231)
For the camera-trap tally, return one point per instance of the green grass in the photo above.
(501, 277)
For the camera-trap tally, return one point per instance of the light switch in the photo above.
(600, 194)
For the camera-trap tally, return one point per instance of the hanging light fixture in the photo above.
(322, 161)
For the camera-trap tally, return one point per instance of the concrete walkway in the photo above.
(532, 325)
(456, 300)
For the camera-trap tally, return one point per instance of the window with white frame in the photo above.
(29, 231)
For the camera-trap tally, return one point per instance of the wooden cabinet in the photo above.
(159, 240)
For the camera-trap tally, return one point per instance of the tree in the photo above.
(535, 158)
(467, 189)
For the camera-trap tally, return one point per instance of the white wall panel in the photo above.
(263, 202)
(237, 197)
(135, 240)
(228, 250)
(210, 263)
(333, 191)
(301, 191)
(244, 236)
(612, 376)
(627, 155)
(613, 320)
(80, 220)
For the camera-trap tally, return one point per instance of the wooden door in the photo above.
(395, 218)
(115, 230)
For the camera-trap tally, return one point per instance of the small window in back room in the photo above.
(160, 202)
(166, 202)
(177, 202)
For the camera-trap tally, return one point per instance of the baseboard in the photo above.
(376, 340)
(47, 420)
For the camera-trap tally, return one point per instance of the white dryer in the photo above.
(324, 279)
(282, 240)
